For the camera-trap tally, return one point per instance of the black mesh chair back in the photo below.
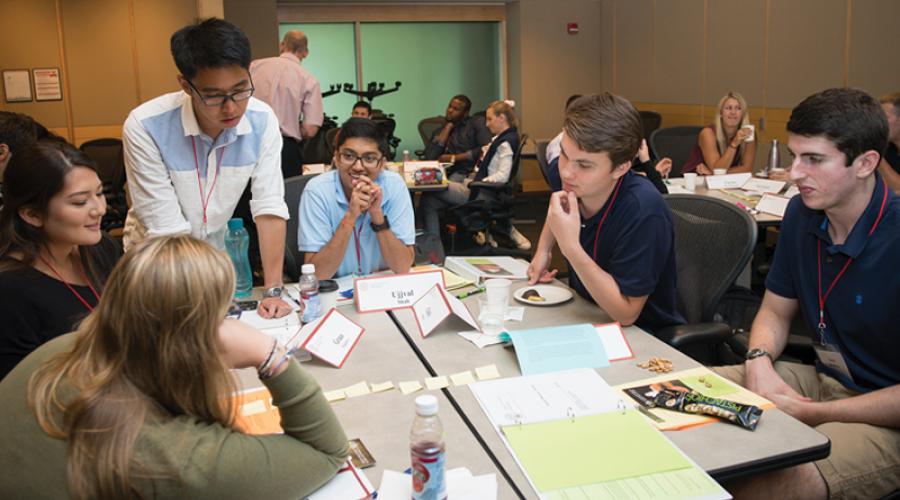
(651, 120)
(330, 137)
(714, 241)
(675, 143)
(540, 149)
(108, 154)
(428, 126)
(293, 257)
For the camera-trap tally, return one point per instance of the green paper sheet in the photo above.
(592, 449)
(675, 485)
(719, 386)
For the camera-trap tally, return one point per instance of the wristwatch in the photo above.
(757, 352)
(381, 227)
(275, 291)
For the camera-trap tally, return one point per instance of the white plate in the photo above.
(553, 295)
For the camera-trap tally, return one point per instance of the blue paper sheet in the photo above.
(542, 350)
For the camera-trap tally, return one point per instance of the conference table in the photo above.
(382, 421)
(761, 218)
(725, 451)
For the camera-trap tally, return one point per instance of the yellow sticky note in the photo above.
(439, 382)
(253, 408)
(355, 390)
(487, 372)
(409, 387)
(462, 378)
(384, 386)
(335, 395)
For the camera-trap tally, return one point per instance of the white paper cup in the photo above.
(752, 129)
(491, 315)
(690, 181)
(720, 171)
(497, 290)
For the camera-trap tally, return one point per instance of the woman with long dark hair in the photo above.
(137, 403)
(53, 256)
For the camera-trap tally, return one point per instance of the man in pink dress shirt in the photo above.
(294, 95)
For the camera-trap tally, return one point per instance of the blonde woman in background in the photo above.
(137, 402)
(726, 143)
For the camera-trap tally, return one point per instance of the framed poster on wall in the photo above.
(47, 85)
(17, 85)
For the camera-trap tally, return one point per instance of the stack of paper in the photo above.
(349, 483)
(461, 484)
(478, 269)
(452, 281)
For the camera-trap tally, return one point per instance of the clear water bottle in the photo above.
(405, 155)
(237, 243)
(309, 293)
(426, 447)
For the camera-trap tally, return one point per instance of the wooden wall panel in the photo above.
(155, 22)
(677, 63)
(735, 55)
(806, 53)
(874, 40)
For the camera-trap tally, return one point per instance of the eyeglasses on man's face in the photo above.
(220, 99)
(348, 157)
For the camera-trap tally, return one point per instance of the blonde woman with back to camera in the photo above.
(137, 402)
(728, 144)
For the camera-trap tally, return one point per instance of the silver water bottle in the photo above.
(774, 160)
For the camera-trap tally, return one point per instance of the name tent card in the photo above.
(334, 338)
(727, 181)
(396, 291)
(434, 307)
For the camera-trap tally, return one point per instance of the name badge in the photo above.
(830, 356)
(395, 291)
(333, 338)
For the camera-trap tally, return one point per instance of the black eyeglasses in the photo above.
(348, 158)
(218, 100)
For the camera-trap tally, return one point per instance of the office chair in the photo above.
(676, 143)
(330, 137)
(108, 154)
(541, 151)
(293, 257)
(496, 210)
(713, 243)
(427, 127)
(651, 120)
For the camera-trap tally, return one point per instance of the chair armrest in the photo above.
(682, 336)
(420, 154)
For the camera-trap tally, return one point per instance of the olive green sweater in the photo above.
(209, 460)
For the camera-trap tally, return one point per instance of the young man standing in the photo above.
(836, 264)
(459, 140)
(295, 97)
(612, 226)
(358, 218)
(190, 154)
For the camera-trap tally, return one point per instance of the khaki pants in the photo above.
(864, 460)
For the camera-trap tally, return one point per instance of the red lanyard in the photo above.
(71, 289)
(204, 198)
(603, 218)
(823, 298)
(357, 233)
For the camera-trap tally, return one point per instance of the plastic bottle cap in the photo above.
(427, 405)
(308, 269)
(235, 224)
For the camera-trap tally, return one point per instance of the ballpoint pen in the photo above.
(470, 293)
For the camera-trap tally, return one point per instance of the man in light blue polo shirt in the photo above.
(358, 218)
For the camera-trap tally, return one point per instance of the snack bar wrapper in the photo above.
(746, 416)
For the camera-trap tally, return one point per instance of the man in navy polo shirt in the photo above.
(612, 225)
(837, 264)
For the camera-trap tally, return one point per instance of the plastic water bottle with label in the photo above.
(426, 446)
(309, 293)
(237, 243)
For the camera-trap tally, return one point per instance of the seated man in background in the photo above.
(190, 154)
(459, 140)
(358, 218)
(17, 131)
(629, 269)
(890, 164)
(840, 240)
(361, 109)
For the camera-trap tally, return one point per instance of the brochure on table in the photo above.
(394, 291)
(773, 204)
(556, 348)
(435, 306)
(700, 379)
(478, 269)
(575, 437)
